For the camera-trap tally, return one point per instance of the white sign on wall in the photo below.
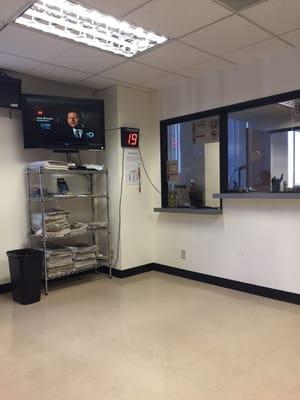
(132, 166)
(206, 130)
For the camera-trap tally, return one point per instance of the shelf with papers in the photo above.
(53, 171)
(67, 196)
(69, 235)
(74, 271)
(101, 258)
(102, 261)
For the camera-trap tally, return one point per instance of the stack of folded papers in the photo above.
(49, 164)
(84, 255)
(77, 228)
(59, 261)
(56, 223)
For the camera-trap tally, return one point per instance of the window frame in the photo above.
(222, 112)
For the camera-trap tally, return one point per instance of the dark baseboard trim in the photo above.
(115, 272)
(4, 288)
(275, 294)
(125, 273)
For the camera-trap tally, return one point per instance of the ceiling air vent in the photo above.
(239, 4)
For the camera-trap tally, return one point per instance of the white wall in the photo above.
(123, 107)
(13, 210)
(253, 241)
(129, 107)
(135, 110)
(212, 173)
(111, 158)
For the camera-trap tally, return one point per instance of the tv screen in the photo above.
(62, 123)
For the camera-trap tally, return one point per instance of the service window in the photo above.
(264, 148)
(191, 162)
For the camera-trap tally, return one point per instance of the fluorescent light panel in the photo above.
(72, 21)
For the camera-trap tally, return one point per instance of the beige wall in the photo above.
(212, 173)
(111, 158)
(135, 110)
(13, 210)
(254, 241)
(123, 107)
(129, 107)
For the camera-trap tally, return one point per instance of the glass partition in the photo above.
(264, 148)
(192, 163)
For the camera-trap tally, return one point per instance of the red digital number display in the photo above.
(129, 137)
(132, 139)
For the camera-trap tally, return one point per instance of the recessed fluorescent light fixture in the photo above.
(72, 21)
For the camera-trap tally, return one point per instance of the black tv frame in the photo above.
(72, 100)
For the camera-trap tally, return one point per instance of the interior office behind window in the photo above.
(193, 163)
(264, 148)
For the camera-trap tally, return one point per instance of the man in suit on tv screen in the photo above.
(76, 128)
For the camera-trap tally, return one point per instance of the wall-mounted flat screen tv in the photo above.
(62, 123)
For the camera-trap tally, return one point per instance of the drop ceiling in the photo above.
(204, 35)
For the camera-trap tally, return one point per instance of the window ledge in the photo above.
(257, 195)
(179, 210)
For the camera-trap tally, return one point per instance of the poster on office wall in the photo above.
(206, 130)
(132, 167)
(172, 170)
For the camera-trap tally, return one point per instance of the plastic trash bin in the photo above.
(25, 267)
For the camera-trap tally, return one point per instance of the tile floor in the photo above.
(149, 337)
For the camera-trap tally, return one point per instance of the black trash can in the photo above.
(25, 267)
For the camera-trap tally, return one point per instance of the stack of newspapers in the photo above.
(77, 228)
(59, 261)
(49, 164)
(56, 223)
(84, 255)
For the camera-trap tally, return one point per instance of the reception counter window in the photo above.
(246, 150)
(191, 163)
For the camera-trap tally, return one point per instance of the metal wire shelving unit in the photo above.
(41, 198)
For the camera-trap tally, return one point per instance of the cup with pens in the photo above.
(276, 183)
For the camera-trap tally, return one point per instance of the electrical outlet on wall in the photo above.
(183, 254)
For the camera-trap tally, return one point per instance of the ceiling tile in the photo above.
(173, 57)
(13, 8)
(18, 64)
(97, 82)
(83, 58)
(257, 51)
(278, 16)
(227, 35)
(175, 18)
(53, 72)
(292, 37)
(213, 64)
(165, 81)
(31, 44)
(116, 8)
(131, 72)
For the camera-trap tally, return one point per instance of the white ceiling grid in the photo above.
(203, 35)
